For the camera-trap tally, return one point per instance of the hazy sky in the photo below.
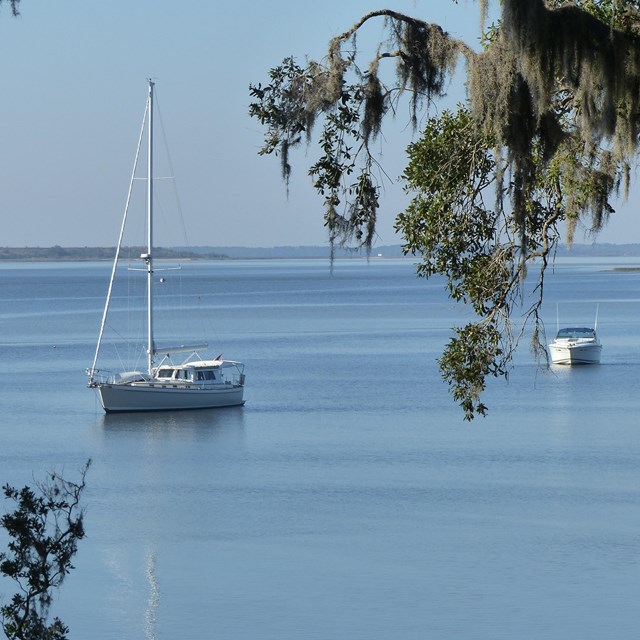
(73, 87)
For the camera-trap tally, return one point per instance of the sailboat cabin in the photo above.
(201, 372)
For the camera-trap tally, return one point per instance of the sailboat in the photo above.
(190, 383)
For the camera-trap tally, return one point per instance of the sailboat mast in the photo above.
(149, 258)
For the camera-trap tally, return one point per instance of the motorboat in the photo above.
(575, 345)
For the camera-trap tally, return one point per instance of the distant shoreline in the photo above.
(96, 254)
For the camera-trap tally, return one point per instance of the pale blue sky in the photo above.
(73, 86)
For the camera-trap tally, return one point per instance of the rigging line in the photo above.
(134, 352)
(178, 204)
(136, 297)
(115, 261)
(131, 345)
(123, 366)
(172, 174)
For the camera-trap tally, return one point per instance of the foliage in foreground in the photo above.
(44, 531)
(546, 136)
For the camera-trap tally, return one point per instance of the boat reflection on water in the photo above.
(227, 420)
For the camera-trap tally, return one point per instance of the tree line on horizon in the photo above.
(99, 253)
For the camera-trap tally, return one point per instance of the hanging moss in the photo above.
(14, 7)
(550, 71)
(568, 48)
(426, 58)
(374, 107)
(484, 7)
(554, 97)
(552, 74)
(425, 55)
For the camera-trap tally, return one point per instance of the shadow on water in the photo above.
(159, 422)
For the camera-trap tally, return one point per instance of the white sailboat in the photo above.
(193, 382)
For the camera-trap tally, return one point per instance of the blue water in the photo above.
(347, 498)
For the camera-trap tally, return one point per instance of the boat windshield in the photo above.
(205, 375)
(576, 333)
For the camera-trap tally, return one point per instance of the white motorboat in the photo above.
(575, 345)
(193, 382)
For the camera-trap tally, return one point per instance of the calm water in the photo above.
(348, 498)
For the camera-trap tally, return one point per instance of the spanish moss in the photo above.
(551, 121)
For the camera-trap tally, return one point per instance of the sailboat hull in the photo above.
(121, 398)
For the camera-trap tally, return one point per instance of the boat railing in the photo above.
(103, 376)
(234, 373)
(99, 376)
